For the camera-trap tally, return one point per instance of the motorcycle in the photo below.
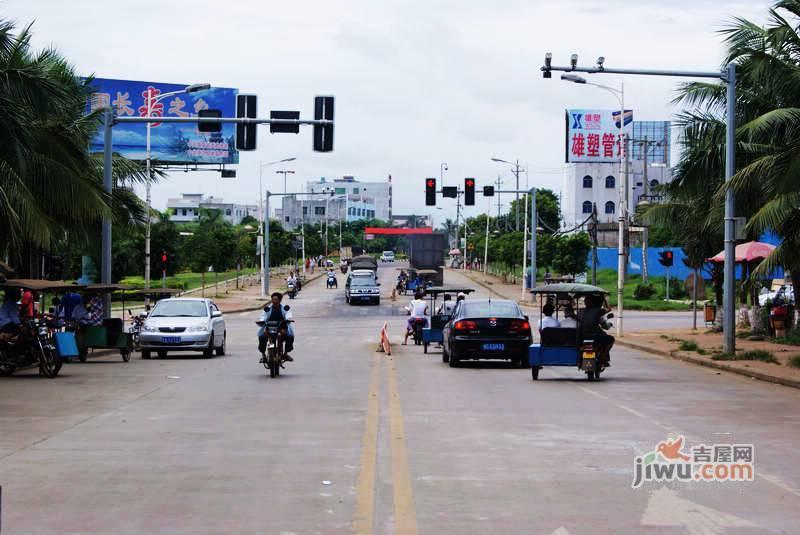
(593, 359)
(332, 282)
(343, 268)
(136, 327)
(274, 361)
(291, 290)
(401, 286)
(417, 326)
(33, 345)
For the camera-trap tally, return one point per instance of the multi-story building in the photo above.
(187, 208)
(346, 199)
(600, 183)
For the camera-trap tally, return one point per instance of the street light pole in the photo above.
(284, 173)
(623, 192)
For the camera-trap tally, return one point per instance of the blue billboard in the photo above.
(169, 142)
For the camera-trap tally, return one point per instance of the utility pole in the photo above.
(645, 144)
(516, 174)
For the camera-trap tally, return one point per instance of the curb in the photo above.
(792, 383)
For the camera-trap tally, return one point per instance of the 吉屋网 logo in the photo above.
(715, 462)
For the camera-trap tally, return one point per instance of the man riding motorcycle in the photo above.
(417, 309)
(276, 312)
(402, 281)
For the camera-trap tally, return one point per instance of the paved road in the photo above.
(353, 440)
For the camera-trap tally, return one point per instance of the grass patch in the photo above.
(793, 338)
(186, 281)
(688, 345)
(607, 278)
(795, 361)
(755, 354)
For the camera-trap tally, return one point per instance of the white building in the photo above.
(355, 190)
(187, 208)
(601, 183)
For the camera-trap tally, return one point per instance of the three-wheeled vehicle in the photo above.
(564, 346)
(111, 334)
(38, 342)
(433, 332)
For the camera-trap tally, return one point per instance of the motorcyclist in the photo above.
(417, 308)
(592, 324)
(274, 311)
(331, 276)
(291, 280)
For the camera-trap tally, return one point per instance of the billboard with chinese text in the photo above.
(593, 135)
(169, 142)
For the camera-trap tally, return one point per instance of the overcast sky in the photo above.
(417, 83)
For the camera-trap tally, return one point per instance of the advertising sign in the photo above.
(593, 135)
(169, 142)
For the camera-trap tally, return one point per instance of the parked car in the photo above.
(486, 329)
(362, 288)
(183, 324)
(387, 256)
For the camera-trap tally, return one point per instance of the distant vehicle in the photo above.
(183, 324)
(486, 329)
(362, 289)
(387, 256)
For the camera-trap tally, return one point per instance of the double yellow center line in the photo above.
(405, 516)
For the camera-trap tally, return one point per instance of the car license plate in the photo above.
(170, 339)
(494, 347)
(588, 355)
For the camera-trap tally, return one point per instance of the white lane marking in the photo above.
(666, 508)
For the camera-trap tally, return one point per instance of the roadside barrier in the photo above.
(384, 346)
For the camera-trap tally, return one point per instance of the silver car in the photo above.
(183, 324)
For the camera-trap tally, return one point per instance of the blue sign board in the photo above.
(169, 142)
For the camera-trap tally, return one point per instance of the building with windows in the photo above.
(346, 199)
(600, 183)
(187, 208)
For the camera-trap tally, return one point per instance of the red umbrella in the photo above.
(746, 252)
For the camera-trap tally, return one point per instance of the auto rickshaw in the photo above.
(111, 334)
(412, 281)
(564, 346)
(433, 333)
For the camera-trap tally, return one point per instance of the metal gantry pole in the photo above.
(105, 271)
(148, 201)
(729, 324)
(534, 226)
(265, 279)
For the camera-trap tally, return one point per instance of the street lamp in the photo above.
(151, 101)
(516, 170)
(261, 166)
(623, 192)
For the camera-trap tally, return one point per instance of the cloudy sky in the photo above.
(417, 83)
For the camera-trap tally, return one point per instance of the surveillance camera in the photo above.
(600, 62)
(547, 74)
(574, 60)
(547, 59)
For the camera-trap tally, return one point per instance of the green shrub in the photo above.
(643, 292)
(754, 354)
(795, 361)
(688, 345)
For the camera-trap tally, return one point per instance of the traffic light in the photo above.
(469, 192)
(430, 192)
(246, 133)
(666, 259)
(209, 127)
(488, 191)
(323, 135)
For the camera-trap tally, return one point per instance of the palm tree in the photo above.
(50, 185)
(767, 141)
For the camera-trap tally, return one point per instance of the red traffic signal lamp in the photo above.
(667, 258)
(469, 191)
(430, 192)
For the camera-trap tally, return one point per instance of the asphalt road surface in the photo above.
(350, 440)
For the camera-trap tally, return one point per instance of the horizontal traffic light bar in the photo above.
(237, 120)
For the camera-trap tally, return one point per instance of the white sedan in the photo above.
(183, 324)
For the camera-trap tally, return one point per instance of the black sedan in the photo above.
(487, 329)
